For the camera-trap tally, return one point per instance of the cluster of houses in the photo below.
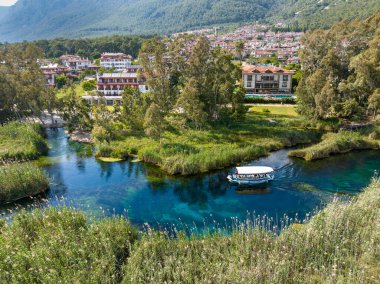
(116, 71)
(259, 42)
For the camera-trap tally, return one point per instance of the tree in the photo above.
(340, 70)
(22, 85)
(154, 122)
(134, 106)
(156, 63)
(200, 70)
(238, 110)
(191, 106)
(89, 86)
(60, 81)
(239, 47)
(374, 103)
(75, 111)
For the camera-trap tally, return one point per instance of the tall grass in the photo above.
(335, 143)
(341, 244)
(21, 142)
(61, 246)
(18, 181)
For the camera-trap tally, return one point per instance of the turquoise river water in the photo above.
(146, 195)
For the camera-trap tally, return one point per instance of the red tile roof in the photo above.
(265, 69)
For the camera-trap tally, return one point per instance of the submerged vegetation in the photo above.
(337, 143)
(338, 245)
(21, 142)
(18, 181)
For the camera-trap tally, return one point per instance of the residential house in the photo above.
(263, 80)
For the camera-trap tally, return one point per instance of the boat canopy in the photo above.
(254, 170)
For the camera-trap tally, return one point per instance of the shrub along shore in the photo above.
(337, 143)
(18, 181)
(188, 152)
(21, 142)
(340, 244)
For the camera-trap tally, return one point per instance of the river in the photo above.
(146, 195)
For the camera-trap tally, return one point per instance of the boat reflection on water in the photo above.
(257, 189)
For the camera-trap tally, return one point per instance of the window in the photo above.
(249, 84)
(285, 78)
(284, 84)
(249, 77)
(268, 78)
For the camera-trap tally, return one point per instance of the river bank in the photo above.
(339, 143)
(20, 142)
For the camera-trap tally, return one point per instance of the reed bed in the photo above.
(336, 143)
(18, 181)
(21, 142)
(61, 246)
(340, 244)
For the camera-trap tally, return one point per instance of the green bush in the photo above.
(18, 181)
(287, 101)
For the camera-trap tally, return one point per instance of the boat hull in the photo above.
(249, 181)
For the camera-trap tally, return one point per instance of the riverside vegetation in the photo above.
(21, 142)
(19, 181)
(337, 143)
(340, 244)
(189, 151)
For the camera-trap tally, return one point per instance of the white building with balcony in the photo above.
(110, 86)
(119, 61)
(267, 80)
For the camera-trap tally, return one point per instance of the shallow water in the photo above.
(146, 195)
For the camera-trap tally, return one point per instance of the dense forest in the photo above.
(91, 47)
(29, 20)
(51, 18)
(341, 74)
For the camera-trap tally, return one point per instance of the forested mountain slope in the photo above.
(35, 19)
(31, 19)
(312, 14)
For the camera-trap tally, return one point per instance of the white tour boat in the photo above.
(251, 175)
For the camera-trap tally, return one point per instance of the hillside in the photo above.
(36, 19)
(313, 14)
(31, 19)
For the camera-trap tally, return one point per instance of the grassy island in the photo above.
(54, 245)
(18, 181)
(337, 143)
(191, 151)
(21, 142)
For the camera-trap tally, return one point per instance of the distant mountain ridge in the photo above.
(37, 19)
